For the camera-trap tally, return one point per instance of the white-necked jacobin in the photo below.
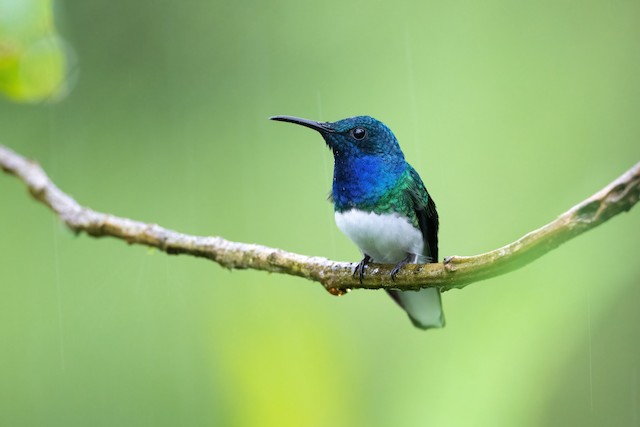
(382, 205)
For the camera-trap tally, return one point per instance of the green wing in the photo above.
(424, 307)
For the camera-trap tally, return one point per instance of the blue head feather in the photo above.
(368, 158)
(367, 164)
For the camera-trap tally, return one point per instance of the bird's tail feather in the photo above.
(424, 307)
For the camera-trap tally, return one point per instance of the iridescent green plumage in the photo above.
(401, 198)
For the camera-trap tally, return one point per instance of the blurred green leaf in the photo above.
(34, 60)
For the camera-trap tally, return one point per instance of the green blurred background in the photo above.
(512, 111)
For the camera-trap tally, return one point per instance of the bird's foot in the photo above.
(409, 259)
(359, 270)
(397, 269)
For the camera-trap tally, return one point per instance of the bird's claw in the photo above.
(410, 258)
(359, 270)
(397, 269)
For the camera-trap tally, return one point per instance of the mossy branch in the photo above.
(456, 272)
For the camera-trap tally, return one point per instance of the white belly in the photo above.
(387, 238)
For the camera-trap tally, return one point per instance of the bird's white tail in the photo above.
(424, 307)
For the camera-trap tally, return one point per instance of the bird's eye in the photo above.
(359, 133)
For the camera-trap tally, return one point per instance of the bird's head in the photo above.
(354, 136)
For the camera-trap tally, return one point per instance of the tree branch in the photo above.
(456, 272)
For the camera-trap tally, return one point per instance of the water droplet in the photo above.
(338, 291)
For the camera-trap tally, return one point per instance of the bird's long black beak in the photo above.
(319, 126)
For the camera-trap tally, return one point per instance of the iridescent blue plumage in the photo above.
(362, 180)
(382, 205)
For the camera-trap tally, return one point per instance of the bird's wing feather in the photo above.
(424, 307)
(425, 209)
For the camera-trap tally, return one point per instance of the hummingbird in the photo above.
(382, 205)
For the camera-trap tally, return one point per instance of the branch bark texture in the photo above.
(456, 272)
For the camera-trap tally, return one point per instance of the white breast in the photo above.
(387, 238)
